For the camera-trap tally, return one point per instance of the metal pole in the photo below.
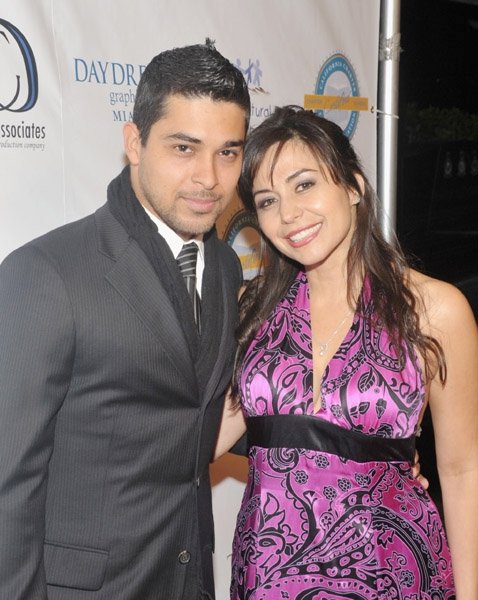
(387, 113)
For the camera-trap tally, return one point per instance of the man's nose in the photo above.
(205, 172)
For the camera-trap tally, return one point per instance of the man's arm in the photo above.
(233, 427)
(37, 337)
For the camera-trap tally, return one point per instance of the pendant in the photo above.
(322, 349)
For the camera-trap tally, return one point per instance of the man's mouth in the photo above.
(201, 203)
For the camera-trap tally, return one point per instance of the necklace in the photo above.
(323, 347)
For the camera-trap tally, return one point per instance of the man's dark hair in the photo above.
(190, 71)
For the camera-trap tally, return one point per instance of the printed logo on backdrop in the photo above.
(253, 74)
(118, 80)
(337, 96)
(242, 234)
(18, 92)
(241, 231)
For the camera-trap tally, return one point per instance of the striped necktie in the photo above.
(186, 260)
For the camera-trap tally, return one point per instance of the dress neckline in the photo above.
(302, 298)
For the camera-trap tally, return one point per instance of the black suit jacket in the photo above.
(107, 420)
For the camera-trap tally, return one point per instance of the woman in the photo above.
(341, 347)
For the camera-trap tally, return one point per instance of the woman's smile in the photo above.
(303, 236)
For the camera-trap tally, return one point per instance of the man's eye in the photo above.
(182, 148)
(229, 152)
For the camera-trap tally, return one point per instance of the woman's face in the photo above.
(304, 214)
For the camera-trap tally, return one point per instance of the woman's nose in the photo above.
(290, 210)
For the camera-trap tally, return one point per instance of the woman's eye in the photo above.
(264, 203)
(304, 185)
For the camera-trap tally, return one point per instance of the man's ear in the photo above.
(132, 142)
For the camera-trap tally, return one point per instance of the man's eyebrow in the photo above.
(233, 144)
(183, 137)
(189, 139)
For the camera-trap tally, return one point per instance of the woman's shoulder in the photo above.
(439, 303)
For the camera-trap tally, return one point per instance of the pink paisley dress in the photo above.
(331, 510)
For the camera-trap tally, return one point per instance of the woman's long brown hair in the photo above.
(370, 254)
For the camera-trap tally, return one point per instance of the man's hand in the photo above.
(416, 473)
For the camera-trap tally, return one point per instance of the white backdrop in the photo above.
(68, 76)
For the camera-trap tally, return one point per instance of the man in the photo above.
(112, 374)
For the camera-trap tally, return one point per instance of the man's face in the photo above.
(187, 171)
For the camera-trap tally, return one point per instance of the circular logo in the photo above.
(337, 78)
(20, 92)
(242, 234)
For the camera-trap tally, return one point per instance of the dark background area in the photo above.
(437, 178)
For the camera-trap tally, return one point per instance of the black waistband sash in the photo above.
(313, 433)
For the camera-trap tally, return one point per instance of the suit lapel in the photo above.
(135, 280)
(217, 322)
(224, 346)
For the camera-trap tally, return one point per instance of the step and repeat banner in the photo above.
(68, 77)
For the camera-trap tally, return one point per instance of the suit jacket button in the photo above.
(184, 557)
